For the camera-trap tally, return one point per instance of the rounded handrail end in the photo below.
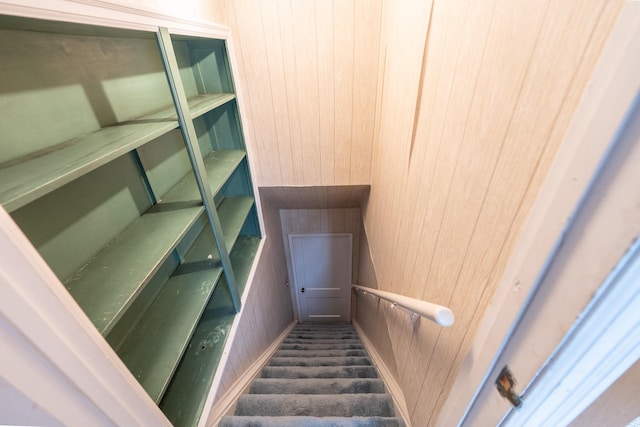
(445, 317)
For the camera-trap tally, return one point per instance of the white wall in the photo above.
(196, 10)
(17, 409)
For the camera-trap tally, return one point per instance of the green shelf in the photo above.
(153, 348)
(244, 251)
(24, 180)
(202, 104)
(104, 184)
(233, 212)
(219, 165)
(108, 284)
(186, 395)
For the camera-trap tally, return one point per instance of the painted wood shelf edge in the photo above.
(24, 180)
(186, 395)
(155, 345)
(109, 283)
(233, 213)
(202, 104)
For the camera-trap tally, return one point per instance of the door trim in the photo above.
(603, 107)
(603, 344)
(294, 291)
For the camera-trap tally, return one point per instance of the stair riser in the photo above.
(325, 328)
(320, 353)
(319, 372)
(349, 405)
(321, 347)
(320, 361)
(324, 325)
(317, 386)
(310, 422)
(322, 341)
(321, 376)
(323, 337)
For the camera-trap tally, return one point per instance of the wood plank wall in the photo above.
(475, 98)
(325, 197)
(310, 71)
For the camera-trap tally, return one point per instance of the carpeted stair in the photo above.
(321, 376)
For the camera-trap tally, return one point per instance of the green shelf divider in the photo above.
(107, 285)
(154, 346)
(24, 180)
(186, 395)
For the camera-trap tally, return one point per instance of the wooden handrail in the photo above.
(439, 314)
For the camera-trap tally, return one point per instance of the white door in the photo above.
(322, 275)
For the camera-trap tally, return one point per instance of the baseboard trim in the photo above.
(228, 400)
(389, 381)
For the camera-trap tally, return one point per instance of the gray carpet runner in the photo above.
(321, 376)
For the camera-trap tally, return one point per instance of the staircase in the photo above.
(321, 376)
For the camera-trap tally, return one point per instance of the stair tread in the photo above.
(315, 335)
(316, 372)
(324, 336)
(319, 361)
(321, 341)
(320, 353)
(341, 405)
(316, 386)
(326, 346)
(249, 421)
(319, 372)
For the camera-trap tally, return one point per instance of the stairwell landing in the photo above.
(320, 376)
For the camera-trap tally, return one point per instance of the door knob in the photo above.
(302, 290)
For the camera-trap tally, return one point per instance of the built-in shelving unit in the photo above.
(141, 204)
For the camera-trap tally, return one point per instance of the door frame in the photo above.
(597, 120)
(294, 288)
(602, 345)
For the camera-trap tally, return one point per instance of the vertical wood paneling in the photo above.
(343, 196)
(473, 98)
(310, 72)
(273, 37)
(428, 142)
(306, 60)
(524, 124)
(404, 30)
(293, 118)
(502, 70)
(247, 17)
(366, 53)
(344, 17)
(326, 88)
(454, 175)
